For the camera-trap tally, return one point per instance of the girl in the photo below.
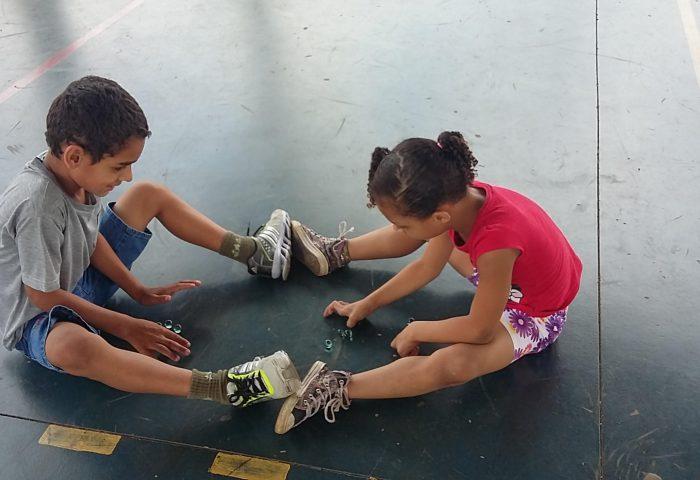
(525, 271)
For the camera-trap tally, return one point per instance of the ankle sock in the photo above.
(209, 386)
(237, 247)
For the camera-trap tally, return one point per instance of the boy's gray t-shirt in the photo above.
(46, 240)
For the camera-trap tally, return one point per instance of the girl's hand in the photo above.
(404, 344)
(152, 339)
(157, 295)
(354, 311)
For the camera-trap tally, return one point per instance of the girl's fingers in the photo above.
(352, 321)
(334, 307)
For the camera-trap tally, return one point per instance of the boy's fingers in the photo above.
(176, 347)
(184, 286)
(169, 334)
(150, 353)
(162, 299)
(166, 352)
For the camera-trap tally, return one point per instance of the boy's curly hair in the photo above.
(97, 114)
(419, 174)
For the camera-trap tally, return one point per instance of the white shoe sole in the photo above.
(288, 381)
(285, 419)
(282, 261)
(306, 252)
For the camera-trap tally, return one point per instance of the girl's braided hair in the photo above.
(419, 174)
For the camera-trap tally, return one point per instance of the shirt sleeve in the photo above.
(496, 237)
(39, 239)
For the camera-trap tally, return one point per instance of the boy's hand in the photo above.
(404, 343)
(157, 295)
(354, 311)
(152, 339)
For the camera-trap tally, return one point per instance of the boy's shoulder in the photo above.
(31, 192)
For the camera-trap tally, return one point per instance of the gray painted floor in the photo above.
(279, 104)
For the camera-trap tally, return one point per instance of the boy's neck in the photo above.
(56, 166)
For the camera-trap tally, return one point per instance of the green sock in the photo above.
(237, 247)
(209, 386)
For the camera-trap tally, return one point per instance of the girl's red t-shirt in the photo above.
(547, 273)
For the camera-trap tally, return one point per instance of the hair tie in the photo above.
(439, 146)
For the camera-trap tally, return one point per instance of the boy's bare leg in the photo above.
(81, 353)
(385, 242)
(84, 354)
(266, 253)
(145, 201)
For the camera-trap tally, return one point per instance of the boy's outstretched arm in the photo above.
(146, 337)
(107, 262)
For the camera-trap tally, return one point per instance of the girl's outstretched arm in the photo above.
(479, 327)
(412, 277)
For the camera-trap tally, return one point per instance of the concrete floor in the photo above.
(261, 105)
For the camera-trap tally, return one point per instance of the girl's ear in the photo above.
(441, 216)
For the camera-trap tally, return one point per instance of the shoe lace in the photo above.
(343, 229)
(248, 366)
(331, 396)
(250, 386)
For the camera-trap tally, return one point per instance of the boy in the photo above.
(62, 256)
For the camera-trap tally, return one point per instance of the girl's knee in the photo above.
(454, 365)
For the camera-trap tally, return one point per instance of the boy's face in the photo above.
(102, 177)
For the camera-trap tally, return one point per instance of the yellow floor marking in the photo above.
(691, 33)
(79, 440)
(248, 468)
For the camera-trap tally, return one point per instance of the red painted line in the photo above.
(61, 55)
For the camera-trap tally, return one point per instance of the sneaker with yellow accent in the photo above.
(262, 379)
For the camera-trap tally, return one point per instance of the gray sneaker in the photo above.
(262, 379)
(320, 254)
(321, 389)
(273, 256)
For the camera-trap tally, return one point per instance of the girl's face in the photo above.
(418, 228)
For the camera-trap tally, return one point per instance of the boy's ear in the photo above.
(73, 155)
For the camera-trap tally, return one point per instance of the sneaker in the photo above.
(320, 254)
(321, 389)
(262, 379)
(272, 257)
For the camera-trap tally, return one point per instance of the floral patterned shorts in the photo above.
(529, 334)
(532, 334)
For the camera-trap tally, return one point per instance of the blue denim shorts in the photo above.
(93, 286)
